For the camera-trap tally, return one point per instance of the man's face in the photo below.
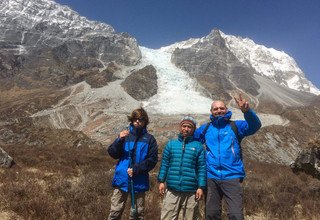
(218, 108)
(186, 130)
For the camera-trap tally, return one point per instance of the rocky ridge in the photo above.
(273, 64)
(58, 45)
(218, 67)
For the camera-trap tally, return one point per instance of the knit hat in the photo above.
(189, 120)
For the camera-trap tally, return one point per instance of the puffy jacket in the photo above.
(223, 155)
(183, 165)
(144, 158)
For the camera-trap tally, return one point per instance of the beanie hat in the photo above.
(189, 120)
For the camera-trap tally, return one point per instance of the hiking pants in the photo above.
(118, 201)
(174, 202)
(231, 191)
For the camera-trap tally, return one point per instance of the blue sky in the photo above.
(292, 26)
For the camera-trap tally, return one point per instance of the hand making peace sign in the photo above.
(242, 103)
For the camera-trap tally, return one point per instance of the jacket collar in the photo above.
(188, 139)
(137, 131)
(221, 120)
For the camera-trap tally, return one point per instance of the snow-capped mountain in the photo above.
(26, 14)
(42, 28)
(177, 93)
(275, 65)
(63, 48)
(59, 69)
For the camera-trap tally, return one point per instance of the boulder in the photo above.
(5, 159)
(141, 84)
(308, 161)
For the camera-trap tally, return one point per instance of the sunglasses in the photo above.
(142, 119)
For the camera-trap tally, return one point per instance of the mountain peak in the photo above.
(214, 32)
(274, 64)
(47, 15)
(58, 44)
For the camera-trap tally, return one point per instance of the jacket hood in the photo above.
(221, 120)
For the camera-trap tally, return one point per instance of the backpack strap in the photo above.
(235, 129)
(203, 133)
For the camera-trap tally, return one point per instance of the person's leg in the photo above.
(189, 206)
(118, 200)
(213, 200)
(171, 206)
(233, 195)
(139, 202)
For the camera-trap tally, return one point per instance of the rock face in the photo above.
(270, 63)
(215, 67)
(141, 84)
(308, 161)
(52, 45)
(225, 65)
(98, 78)
(5, 159)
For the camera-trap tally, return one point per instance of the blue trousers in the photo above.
(229, 190)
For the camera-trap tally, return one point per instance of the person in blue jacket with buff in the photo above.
(182, 175)
(225, 169)
(137, 154)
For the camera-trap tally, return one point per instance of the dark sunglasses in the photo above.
(142, 119)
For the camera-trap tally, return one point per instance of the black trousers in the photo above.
(231, 191)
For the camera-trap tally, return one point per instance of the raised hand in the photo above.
(123, 133)
(242, 103)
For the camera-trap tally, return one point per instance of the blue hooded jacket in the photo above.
(223, 155)
(144, 156)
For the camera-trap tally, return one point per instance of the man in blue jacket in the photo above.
(183, 169)
(225, 170)
(137, 154)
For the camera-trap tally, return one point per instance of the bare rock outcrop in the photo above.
(141, 84)
(5, 159)
(216, 67)
(308, 161)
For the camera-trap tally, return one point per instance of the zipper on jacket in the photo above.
(182, 156)
(219, 150)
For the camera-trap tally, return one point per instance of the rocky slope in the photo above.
(62, 71)
(222, 71)
(46, 44)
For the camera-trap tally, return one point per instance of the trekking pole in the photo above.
(133, 205)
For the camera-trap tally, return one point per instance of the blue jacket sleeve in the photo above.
(198, 134)
(251, 124)
(162, 176)
(115, 150)
(151, 160)
(201, 171)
